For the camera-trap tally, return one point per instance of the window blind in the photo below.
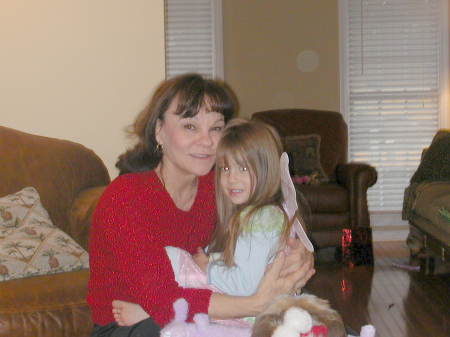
(392, 81)
(194, 37)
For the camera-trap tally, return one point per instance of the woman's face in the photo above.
(189, 144)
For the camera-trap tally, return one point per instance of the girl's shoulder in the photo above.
(267, 219)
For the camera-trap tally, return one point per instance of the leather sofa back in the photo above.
(57, 169)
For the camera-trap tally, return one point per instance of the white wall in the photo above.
(79, 69)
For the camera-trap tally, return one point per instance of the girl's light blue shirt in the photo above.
(254, 250)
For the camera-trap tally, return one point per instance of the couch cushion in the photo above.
(431, 212)
(29, 243)
(304, 156)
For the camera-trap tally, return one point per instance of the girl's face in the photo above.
(189, 144)
(236, 182)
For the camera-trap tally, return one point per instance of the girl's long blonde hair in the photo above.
(257, 146)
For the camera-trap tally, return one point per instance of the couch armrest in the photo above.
(52, 305)
(408, 199)
(419, 195)
(357, 178)
(80, 213)
(424, 192)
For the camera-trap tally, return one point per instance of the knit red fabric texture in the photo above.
(133, 222)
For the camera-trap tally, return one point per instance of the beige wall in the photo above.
(79, 70)
(446, 121)
(262, 41)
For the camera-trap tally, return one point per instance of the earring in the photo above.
(159, 147)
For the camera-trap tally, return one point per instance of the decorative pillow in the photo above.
(30, 244)
(304, 156)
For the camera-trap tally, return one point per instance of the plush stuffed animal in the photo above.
(305, 316)
(292, 326)
(293, 320)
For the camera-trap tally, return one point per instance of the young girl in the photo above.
(257, 214)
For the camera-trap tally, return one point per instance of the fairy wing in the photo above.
(290, 202)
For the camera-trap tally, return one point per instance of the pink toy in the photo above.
(201, 327)
(294, 322)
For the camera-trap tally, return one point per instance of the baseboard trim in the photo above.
(389, 234)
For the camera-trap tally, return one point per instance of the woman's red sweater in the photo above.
(133, 222)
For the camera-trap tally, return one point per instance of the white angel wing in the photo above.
(290, 202)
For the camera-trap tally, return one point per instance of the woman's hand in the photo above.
(201, 259)
(274, 284)
(298, 258)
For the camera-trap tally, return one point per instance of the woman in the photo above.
(167, 199)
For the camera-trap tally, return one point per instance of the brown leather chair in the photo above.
(340, 203)
(69, 179)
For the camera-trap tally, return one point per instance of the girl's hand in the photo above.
(201, 259)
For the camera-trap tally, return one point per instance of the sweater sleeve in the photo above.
(133, 237)
(254, 250)
(150, 279)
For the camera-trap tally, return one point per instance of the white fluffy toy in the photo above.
(286, 316)
(302, 316)
(201, 327)
(298, 322)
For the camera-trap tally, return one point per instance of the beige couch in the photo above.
(426, 196)
(69, 179)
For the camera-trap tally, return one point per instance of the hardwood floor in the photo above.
(398, 302)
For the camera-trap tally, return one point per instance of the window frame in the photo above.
(216, 35)
(389, 219)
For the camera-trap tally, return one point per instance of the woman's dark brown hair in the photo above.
(192, 91)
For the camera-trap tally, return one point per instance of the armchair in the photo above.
(340, 201)
(69, 179)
